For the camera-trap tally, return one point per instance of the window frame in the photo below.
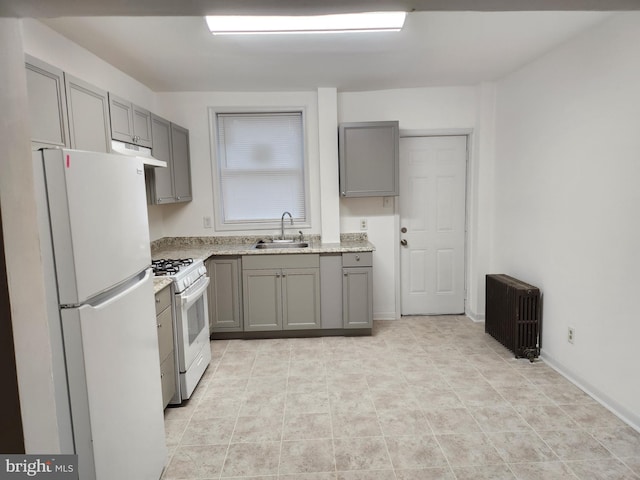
(218, 207)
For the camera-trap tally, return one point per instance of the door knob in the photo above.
(403, 242)
(403, 229)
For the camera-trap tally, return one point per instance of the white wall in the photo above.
(51, 47)
(480, 204)
(43, 43)
(22, 250)
(427, 109)
(190, 110)
(418, 109)
(568, 198)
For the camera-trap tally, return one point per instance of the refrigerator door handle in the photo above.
(106, 298)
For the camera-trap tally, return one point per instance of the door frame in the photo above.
(446, 132)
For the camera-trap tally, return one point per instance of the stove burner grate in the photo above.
(169, 266)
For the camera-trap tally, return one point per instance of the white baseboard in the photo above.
(476, 317)
(384, 316)
(614, 407)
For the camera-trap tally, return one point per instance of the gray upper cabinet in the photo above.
(162, 184)
(170, 144)
(369, 158)
(88, 110)
(181, 163)
(129, 123)
(47, 104)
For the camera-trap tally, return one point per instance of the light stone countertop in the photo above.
(160, 283)
(204, 247)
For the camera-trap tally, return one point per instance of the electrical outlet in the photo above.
(571, 335)
(206, 222)
(363, 224)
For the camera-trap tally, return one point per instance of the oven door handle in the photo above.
(198, 287)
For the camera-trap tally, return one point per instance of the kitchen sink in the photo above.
(281, 244)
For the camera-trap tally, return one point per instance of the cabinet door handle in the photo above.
(158, 325)
(357, 258)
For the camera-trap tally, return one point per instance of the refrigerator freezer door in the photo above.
(99, 225)
(111, 353)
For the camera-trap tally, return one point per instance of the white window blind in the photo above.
(261, 166)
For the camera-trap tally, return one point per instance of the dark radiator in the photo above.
(513, 315)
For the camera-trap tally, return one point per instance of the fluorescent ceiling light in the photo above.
(348, 22)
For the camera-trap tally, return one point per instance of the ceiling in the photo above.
(71, 8)
(436, 47)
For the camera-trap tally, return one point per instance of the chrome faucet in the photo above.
(282, 224)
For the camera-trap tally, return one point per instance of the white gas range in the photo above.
(191, 321)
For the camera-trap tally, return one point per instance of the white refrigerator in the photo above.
(101, 309)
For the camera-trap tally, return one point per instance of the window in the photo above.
(260, 168)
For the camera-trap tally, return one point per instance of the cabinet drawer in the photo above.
(357, 259)
(163, 299)
(168, 379)
(164, 322)
(266, 261)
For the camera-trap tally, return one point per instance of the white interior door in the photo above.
(432, 222)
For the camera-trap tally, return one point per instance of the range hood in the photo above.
(131, 150)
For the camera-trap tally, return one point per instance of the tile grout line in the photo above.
(284, 412)
(435, 437)
(333, 442)
(386, 351)
(233, 431)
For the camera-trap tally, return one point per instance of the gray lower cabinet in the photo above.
(300, 298)
(129, 122)
(357, 290)
(88, 110)
(331, 291)
(47, 104)
(281, 292)
(164, 322)
(262, 300)
(170, 144)
(224, 295)
(369, 155)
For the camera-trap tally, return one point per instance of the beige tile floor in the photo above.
(423, 398)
